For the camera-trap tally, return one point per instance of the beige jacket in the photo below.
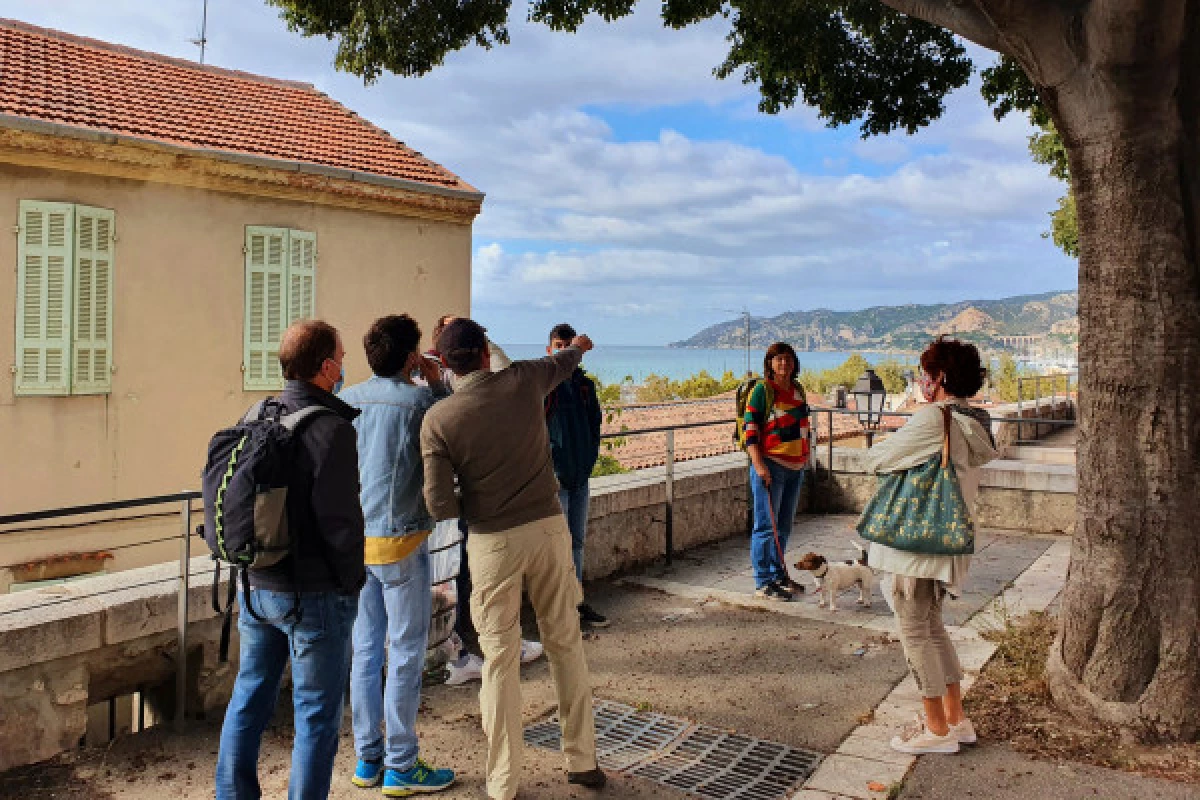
(918, 441)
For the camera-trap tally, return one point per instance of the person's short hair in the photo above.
(304, 348)
(563, 332)
(389, 342)
(958, 363)
(780, 349)
(463, 344)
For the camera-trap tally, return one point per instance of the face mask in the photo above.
(341, 381)
(928, 387)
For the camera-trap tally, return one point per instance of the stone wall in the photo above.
(1034, 497)
(65, 648)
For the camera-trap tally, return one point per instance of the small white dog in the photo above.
(835, 578)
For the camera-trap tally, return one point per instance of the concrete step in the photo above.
(1036, 454)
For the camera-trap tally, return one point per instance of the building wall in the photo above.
(177, 326)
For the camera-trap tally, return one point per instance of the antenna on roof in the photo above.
(203, 40)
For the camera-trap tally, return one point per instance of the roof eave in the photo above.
(78, 132)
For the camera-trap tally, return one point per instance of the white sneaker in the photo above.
(964, 732)
(531, 651)
(918, 740)
(465, 669)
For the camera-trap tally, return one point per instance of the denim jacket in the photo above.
(389, 454)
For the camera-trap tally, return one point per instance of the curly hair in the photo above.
(958, 363)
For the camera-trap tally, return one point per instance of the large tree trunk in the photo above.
(1128, 652)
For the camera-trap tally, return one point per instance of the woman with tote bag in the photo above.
(921, 534)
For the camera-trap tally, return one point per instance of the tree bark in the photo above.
(1128, 651)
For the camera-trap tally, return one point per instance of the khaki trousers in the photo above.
(536, 558)
(927, 647)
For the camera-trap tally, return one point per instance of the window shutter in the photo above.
(302, 275)
(266, 307)
(91, 371)
(44, 266)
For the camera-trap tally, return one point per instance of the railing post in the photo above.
(670, 490)
(185, 560)
(1020, 425)
(830, 445)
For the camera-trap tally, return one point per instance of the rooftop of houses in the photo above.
(77, 83)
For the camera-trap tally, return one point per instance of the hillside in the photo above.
(904, 327)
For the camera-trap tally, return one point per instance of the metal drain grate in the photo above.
(624, 736)
(713, 764)
(697, 759)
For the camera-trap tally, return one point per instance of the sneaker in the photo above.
(589, 617)
(421, 779)
(592, 779)
(918, 740)
(791, 586)
(367, 774)
(773, 591)
(531, 651)
(466, 669)
(964, 731)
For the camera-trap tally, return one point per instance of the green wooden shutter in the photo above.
(91, 371)
(266, 306)
(44, 267)
(302, 275)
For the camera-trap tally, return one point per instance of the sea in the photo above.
(615, 363)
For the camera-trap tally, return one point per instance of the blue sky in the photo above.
(633, 194)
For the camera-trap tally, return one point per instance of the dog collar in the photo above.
(824, 569)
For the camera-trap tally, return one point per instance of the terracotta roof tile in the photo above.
(69, 80)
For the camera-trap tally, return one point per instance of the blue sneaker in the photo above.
(421, 779)
(367, 774)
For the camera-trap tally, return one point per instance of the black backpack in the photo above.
(245, 486)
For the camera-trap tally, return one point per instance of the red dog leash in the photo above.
(778, 546)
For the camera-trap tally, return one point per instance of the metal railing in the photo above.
(185, 500)
(1055, 380)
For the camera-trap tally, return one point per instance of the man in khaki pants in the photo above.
(491, 433)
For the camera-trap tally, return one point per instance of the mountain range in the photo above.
(906, 327)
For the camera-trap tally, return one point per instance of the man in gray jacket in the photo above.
(492, 434)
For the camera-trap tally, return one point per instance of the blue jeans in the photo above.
(394, 609)
(575, 505)
(319, 648)
(783, 497)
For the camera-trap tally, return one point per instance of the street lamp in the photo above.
(869, 394)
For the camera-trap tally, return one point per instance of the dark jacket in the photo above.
(573, 418)
(323, 502)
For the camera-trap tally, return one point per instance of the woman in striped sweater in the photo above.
(777, 427)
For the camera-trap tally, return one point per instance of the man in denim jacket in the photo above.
(395, 604)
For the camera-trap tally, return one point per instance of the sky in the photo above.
(632, 193)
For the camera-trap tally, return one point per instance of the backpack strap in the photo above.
(256, 410)
(296, 419)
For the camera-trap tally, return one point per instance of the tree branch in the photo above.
(959, 16)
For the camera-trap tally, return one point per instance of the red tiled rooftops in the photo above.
(58, 78)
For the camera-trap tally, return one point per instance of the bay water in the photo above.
(614, 363)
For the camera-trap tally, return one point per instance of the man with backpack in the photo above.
(573, 418)
(395, 605)
(303, 606)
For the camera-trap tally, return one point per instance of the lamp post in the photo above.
(869, 394)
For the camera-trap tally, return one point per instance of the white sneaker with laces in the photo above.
(531, 651)
(467, 668)
(918, 740)
(964, 731)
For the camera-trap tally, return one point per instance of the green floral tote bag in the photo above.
(921, 510)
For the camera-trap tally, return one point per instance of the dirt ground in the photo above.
(792, 681)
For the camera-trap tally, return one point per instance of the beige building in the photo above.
(168, 220)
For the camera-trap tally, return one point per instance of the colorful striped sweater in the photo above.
(782, 430)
